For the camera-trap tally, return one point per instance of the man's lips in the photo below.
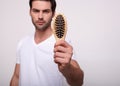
(40, 22)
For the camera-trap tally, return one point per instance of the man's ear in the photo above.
(30, 12)
(54, 14)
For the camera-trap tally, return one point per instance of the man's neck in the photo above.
(42, 35)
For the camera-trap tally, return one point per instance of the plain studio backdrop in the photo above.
(93, 26)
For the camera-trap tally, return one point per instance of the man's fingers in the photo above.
(61, 43)
(60, 49)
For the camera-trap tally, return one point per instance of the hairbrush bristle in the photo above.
(59, 27)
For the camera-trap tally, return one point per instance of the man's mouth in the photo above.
(40, 22)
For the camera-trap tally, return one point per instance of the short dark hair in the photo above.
(53, 4)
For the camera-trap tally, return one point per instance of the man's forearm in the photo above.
(14, 81)
(74, 75)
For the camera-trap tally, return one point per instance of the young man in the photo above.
(41, 61)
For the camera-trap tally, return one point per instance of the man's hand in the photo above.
(67, 66)
(62, 54)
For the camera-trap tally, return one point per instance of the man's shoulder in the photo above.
(25, 40)
(68, 39)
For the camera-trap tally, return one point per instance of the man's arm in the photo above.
(15, 77)
(67, 66)
(73, 74)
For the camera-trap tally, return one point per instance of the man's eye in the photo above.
(46, 11)
(36, 11)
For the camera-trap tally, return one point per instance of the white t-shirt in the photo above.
(37, 66)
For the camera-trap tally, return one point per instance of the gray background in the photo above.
(93, 25)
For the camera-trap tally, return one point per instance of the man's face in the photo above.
(41, 14)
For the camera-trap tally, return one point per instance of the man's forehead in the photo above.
(41, 4)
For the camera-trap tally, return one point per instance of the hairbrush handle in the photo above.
(59, 27)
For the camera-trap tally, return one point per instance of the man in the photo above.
(41, 61)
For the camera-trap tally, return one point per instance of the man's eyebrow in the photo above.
(39, 9)
(35, 10)
(47, 10)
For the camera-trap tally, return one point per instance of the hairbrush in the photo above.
(59, 27)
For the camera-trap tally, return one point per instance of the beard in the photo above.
(44, 24)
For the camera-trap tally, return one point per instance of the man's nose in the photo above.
(40, 15)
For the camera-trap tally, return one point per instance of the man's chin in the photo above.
(41, 28)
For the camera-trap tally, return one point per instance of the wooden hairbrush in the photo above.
(59, 27)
